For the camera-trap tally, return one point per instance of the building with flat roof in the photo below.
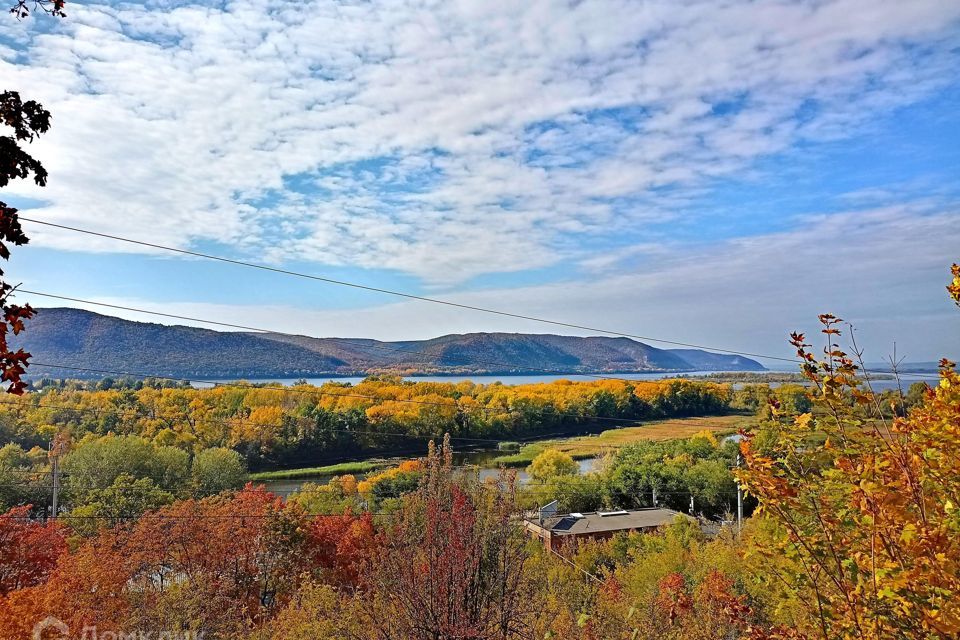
(555, 529)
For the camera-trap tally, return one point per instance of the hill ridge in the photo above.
(76, 337)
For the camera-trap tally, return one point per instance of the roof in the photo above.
(605, 521)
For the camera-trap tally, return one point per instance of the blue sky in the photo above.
(698, 171)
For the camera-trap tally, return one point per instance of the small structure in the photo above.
(555, 529)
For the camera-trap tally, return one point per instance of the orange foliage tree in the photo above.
(868, 506)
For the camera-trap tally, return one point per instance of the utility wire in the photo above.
(401, 294)
(288, 493)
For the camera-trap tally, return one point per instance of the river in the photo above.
(508, 379)
(479, 379)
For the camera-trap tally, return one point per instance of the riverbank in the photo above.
(585, 447)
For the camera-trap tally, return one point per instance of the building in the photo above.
(556, 530)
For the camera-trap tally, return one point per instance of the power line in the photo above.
(522, 488)
(400, 294)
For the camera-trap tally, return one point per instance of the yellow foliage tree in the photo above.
(869, 516)
(552, 463)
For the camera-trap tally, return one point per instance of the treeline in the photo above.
(283, 427)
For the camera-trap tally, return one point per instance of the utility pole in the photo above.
(691, 504)
(739, 501)
(654, 489)
(57, 448)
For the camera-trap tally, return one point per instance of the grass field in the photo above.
(333, 469)
(591, 446)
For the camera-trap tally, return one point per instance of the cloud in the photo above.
(444, 139)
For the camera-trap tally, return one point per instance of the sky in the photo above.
(708, 172)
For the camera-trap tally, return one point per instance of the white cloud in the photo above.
(451, 139)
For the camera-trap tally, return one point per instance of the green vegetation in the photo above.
(216, 470)
(363, 466)
(127, 497)
(105, 477)
(673, 470)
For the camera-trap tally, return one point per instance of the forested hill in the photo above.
(85, 339)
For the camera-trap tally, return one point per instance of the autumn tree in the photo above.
(14, 163)
(27, 120)
(339, 546)
(21, 8)
(552, 463)
(29, 549)
(318, 610)
(867, 506)
(451, 566)
(954, 287)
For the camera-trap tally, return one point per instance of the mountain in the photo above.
(84, 339)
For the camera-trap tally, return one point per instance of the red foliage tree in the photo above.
(673, 597)
(451, 566)
(28, 549)
(27, 120)
(338, 547)
(218, 565)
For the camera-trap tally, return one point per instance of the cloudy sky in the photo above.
(711, 172)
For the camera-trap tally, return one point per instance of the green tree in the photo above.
(97, 462)
(218, 469)
(125, 500)
(20, 483)
(574, 493)
(27, 120)
(712, 486)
